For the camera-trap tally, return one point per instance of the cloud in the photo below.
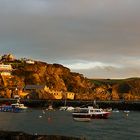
(84, 65)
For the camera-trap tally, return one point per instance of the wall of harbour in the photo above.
(121, 105)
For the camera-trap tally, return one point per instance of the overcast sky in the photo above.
(97, 38)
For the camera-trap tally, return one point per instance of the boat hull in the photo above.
(81, 117)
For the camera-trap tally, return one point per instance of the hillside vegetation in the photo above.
(59, 78)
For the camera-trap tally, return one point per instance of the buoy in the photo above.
(126, 114)
(49, 119)
(43, 111)
(35, 134)
(40, 116)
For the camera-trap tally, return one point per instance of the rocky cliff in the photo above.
(54, 76)
(59, 78)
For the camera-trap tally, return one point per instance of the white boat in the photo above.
(126, 111)
(70, 109)
(63, 108)
(90, 112)
(19, 105)
(115, 110)
(66, 108)
(81, 114)
(108, 109)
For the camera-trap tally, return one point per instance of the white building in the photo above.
(5, 69)
(30, 62)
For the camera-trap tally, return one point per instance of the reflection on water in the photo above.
(118, 126)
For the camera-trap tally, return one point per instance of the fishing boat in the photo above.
(81, 114)
(63, 108)
(70, 109)
(19, 105)
(115, 110)
(90, 113)
(66, 108)
(126, 111)
(99, 113)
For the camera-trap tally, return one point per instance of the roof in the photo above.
(29, 87)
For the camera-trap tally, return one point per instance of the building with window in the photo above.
(5, 69)
(70, 95)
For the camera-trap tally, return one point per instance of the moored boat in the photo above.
(63, 108)
(81, 114)
(126, 111)
(90, 112)
(99, 113)
(70, 109)
(66, 108)
(9, 108)
(115, 110)
(19, 105)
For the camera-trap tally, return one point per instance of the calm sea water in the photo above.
(118, 126)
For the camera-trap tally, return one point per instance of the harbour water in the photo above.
(36, 121)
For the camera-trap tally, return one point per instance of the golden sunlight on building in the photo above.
(5, 69)
(56, 94)
(70, 95)
(22, 94)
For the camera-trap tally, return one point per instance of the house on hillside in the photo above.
(33, 90)
(70, 95)
(7, 57)
(34, 87)
(52, 94)
(30, 61)
(5, 69)
(56, 94)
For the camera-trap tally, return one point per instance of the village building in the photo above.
(30, 61)
(7, 57)
(70, 95)
(53, 94)
(36, 88)
(5, 69)
(56, 94)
